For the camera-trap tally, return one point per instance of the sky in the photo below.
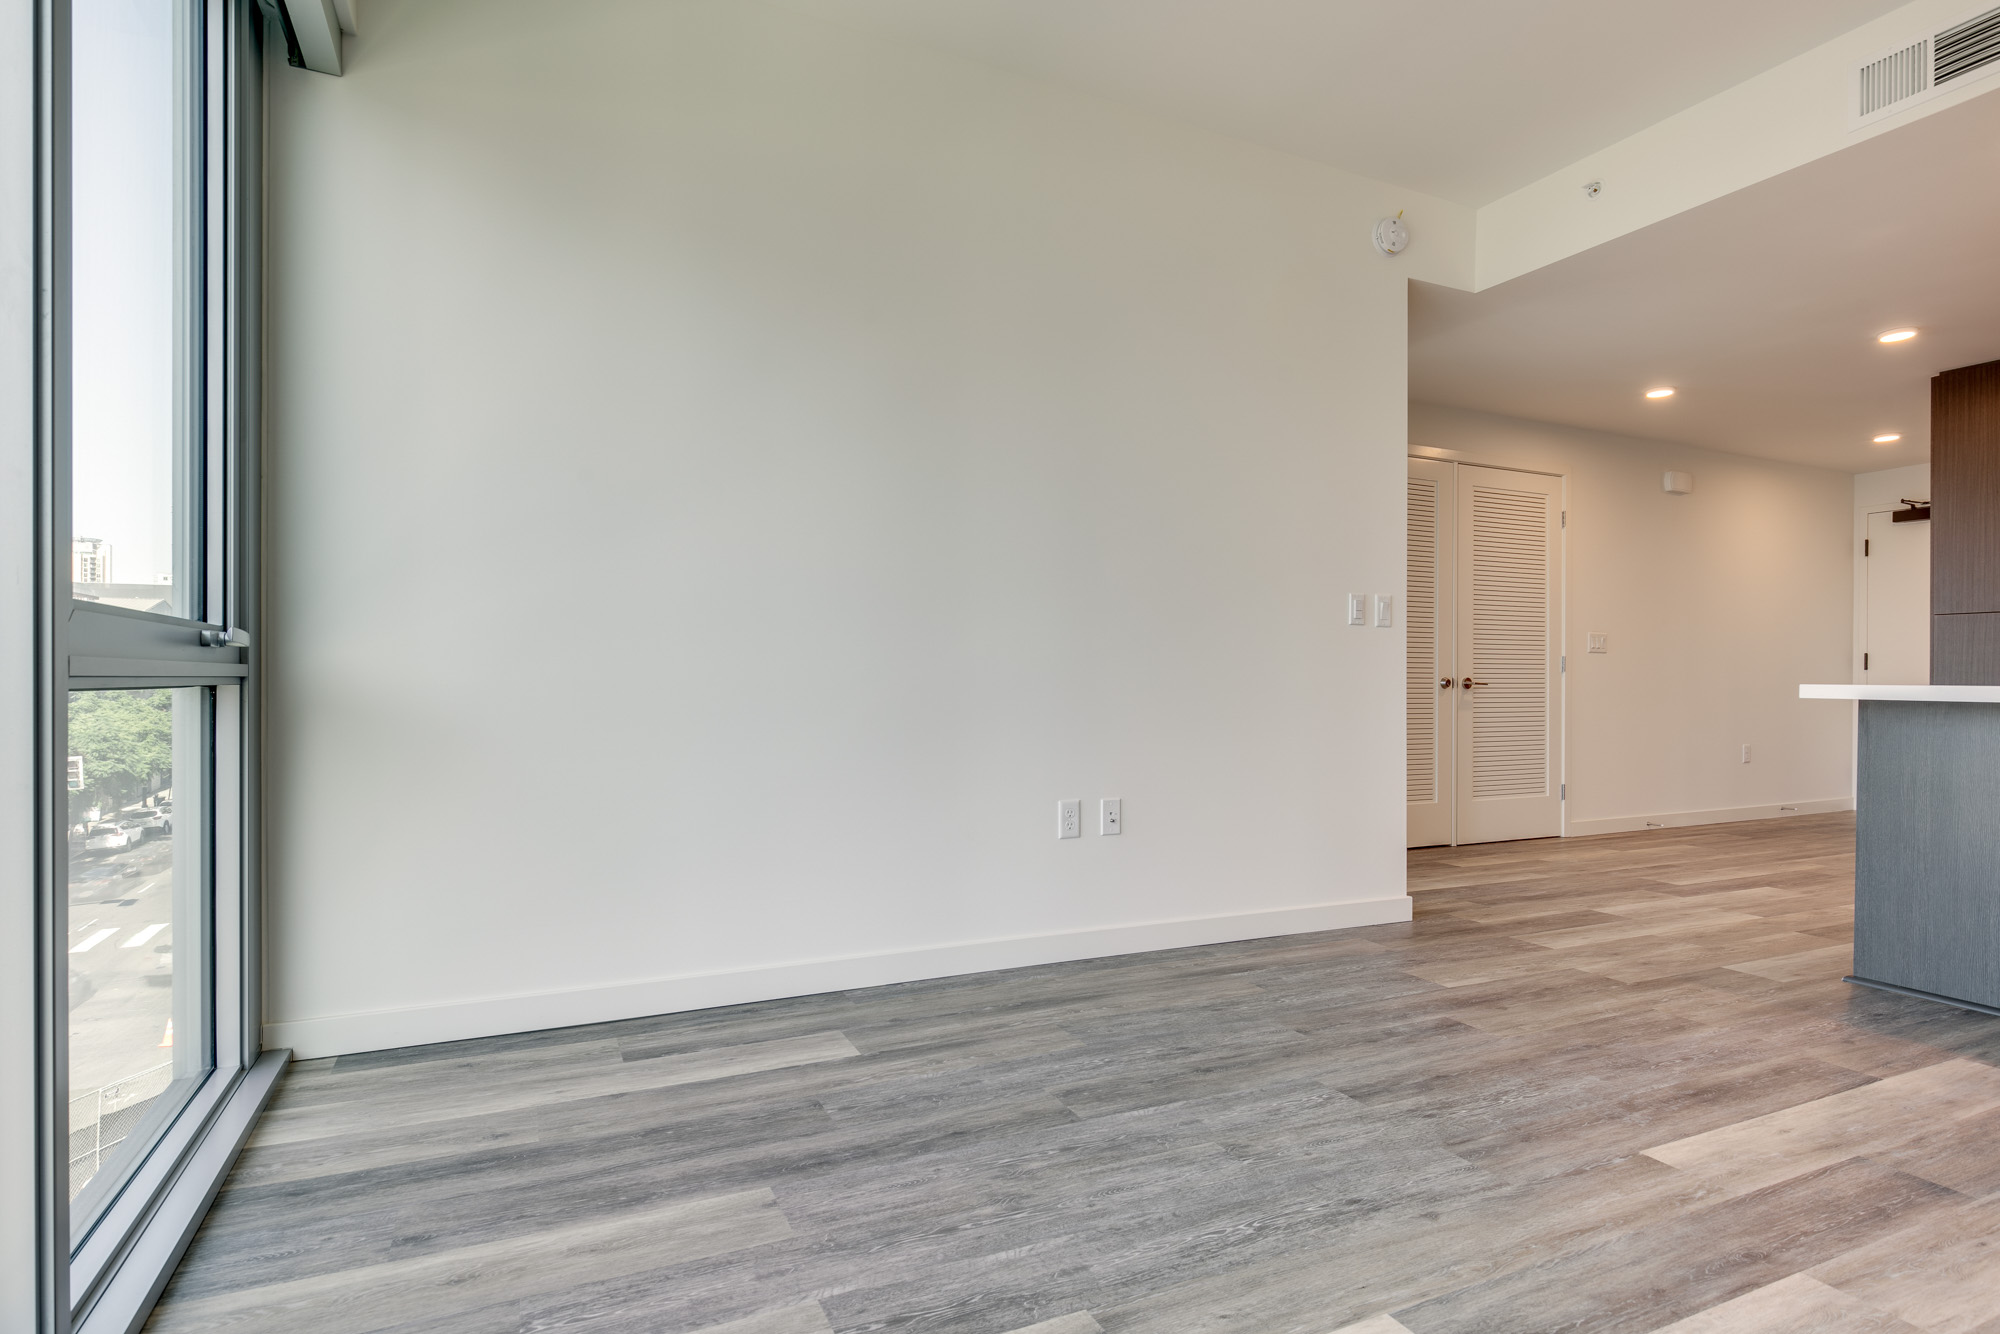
(123, 281)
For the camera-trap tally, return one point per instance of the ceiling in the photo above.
(1760, 309)
(1464, 99)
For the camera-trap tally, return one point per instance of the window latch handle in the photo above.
(231, 638)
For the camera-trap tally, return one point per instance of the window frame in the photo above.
(111, 1276)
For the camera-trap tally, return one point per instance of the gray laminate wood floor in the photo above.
(1609, 1084)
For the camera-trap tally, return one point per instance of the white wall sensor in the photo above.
(1391, 235)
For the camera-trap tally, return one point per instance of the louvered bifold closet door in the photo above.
(1428, 623)
(1509, 705)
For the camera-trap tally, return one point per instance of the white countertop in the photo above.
(1933, 694)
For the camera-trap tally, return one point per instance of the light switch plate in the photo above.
(1357, 609)
(1596, 643)
(1385, 610)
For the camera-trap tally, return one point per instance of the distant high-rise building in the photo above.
(90, 560)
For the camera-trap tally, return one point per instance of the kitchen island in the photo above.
(1927, 841)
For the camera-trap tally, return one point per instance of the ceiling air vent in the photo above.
(1968, 46)
(1899, 75)
(1921, 68)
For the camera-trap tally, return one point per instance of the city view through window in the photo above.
(129, 400)
(138, 1027)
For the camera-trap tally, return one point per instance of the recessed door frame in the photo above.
(1421, 453)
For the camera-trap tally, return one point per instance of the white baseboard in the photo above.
(375, 1030)
(1619, 824)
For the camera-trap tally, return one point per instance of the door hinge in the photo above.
(1864, 548)
(1564, 660)
(1864, 662)
(1565, 518)
(1562, 793)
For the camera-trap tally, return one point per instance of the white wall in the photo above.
(1889, 487)
(1718, 605)
(730, 476)
(25, 1300)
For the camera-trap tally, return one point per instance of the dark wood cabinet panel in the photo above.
(1965, 649)
(1965, 496)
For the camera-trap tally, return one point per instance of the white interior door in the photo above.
(1429, 624)
(1508, 767)
(1896, 636)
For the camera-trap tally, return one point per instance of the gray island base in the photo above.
(1927, 841)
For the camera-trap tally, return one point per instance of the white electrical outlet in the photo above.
(1385, 610)
(1746, 755)
(1110, 815)
(1069, 818)
(1357, 609)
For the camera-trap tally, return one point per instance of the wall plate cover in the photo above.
(1357, 609)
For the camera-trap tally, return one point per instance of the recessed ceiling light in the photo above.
(1659, 393)
(1896, 336)
(1889, 439)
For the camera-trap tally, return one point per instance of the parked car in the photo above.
(143, 821)
(108, 838)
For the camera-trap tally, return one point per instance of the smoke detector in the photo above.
(1392, 234)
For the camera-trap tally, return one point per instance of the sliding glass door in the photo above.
(148, 1056)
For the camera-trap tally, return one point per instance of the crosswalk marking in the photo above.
(143, 935)
(93, 940)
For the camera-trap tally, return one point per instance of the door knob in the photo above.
(1444, 683)
(1470, 683)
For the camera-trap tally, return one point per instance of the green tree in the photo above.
(126, 739)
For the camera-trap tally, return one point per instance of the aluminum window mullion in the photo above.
(33, 1268)
(214, 253)
(241, 89)
(193, 363)
(54, 525)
